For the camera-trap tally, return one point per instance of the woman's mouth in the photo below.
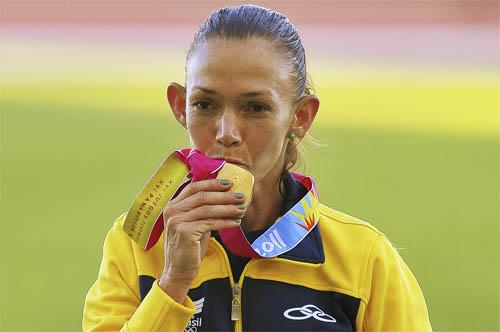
(233, 160)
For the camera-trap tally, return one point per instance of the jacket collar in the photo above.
(310, 249)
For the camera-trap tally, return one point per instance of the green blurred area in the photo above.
(73, 162)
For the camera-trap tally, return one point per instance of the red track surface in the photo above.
(301, 12)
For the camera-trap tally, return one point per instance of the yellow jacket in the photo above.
(354, 279)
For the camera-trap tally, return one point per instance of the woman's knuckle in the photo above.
(194, 187)
(208, 211)
(202, 197)
(168, 211)
(172, 223)
(209, 222)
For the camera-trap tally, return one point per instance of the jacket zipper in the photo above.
(236, 304)
(235, 288)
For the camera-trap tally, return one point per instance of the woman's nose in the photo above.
(228, 133)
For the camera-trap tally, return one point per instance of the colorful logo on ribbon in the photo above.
(290, 229)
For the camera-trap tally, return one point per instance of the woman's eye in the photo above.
(202, 105)
(257, 108)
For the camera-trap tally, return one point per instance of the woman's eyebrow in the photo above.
(256, 94)
(250, 94)
(208, 91)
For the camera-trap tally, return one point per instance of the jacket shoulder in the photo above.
(348, 242)
(337, 219)
(148, 262)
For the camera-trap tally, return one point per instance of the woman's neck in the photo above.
(265, 207)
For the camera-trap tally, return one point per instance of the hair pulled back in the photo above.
(246, 21)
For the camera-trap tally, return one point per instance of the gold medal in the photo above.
(242, 180)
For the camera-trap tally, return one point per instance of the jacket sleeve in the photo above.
(113, 301)
(395, 301)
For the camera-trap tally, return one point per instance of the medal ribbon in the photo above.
(144, 222)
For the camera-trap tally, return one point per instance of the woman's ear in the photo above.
(176, 95)
(305, 113)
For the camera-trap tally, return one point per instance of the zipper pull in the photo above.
(235, 304)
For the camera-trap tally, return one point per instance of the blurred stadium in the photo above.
(409, 114)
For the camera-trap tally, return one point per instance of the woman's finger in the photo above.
(217, 224)
(204, 185)
(209, 198)
(186, 232)
(201, 227)
(223, 211)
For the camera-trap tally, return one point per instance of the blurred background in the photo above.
(409, 114)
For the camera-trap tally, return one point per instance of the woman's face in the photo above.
(239, 99)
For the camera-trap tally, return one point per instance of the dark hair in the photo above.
(246, 21)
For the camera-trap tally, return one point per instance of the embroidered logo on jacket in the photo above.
(308, 311)
(195, 322)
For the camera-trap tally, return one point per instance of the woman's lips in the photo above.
(235, 161)
(232, 160)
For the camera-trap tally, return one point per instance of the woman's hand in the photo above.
(200, 208)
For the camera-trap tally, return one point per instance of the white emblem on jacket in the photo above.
(308, 311)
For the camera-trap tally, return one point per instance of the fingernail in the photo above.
(237, 221)
(241, 206)
(224, 182)
(239, 195)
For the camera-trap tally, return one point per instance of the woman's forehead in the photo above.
(251, 63)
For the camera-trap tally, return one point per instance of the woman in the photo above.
(246, 100)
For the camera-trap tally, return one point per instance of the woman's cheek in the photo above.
(267, 145)
(198, 137)
(197, 125)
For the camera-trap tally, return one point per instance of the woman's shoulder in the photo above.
(363, 251)
(340, 221)
(351, 238)
(118, 243)
(116, 231)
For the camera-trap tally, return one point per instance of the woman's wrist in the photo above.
(177, 289)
